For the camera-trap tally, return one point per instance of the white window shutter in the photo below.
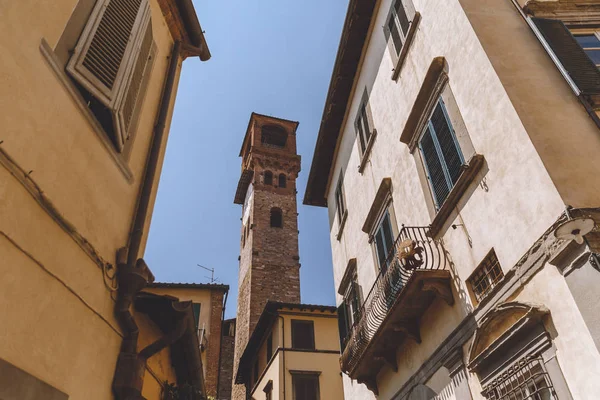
(125, 106)
(103, 60)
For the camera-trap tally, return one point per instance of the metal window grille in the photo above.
(486, 276)
(526, 379)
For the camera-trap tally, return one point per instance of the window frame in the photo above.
(491, 259)
(353, 300)
(268, 178)
(340, 205)
(381, 264)
(272, 214)
(440, 152)
(296, 322)
(306, 375)
(282, 181)
(364, 128)
(405, 36)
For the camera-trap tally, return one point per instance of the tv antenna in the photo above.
(212, 273)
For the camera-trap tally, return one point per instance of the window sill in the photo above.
(53, 63)
(342, 224)
(367, 153)
(471, 169)
(406, 47)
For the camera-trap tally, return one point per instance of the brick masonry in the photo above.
(226, 367)
(214, 342)
(269, 258)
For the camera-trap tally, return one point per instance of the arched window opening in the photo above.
(273, 136)
(282, 180)
(276, 218)
(268, 178)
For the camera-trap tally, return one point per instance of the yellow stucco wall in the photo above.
(325, 363)
(56, 312)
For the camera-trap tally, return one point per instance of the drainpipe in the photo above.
(153, 158)
(132, 273)
(283, 351)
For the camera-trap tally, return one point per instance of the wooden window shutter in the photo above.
(342, 324)
(448, 146)
(104, 60)
(572, 57)
(435, 171)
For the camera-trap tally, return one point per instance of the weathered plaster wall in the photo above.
(511, 202)
(57, 314)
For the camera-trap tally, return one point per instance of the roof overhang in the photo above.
(354, 36)
(184, 26)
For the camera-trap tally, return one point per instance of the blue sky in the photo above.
(273, 57)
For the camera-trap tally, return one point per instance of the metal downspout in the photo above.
(132, 273)
(283, 351)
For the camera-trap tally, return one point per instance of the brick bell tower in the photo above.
(269, 260)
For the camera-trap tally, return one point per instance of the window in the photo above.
(363, 127)
(526, 379)
(340, 201)
(303, 335)
(276, 218)
(384, 241)
(486, 276)
(282, 181)
(441, 154)
(305, 386)
(591, 45)
(111, 61)
(397, 25)
(349, 310)
(196, 309)
(578, 55)
(273, 136)
(268, 178)
(269, 347)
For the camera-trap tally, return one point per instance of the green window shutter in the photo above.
(433, 165)
(451, 153)
(572, 57)
(196, 309)
(342, 325)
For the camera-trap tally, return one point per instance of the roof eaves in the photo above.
(353, 38)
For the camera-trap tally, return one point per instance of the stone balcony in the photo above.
(417, 272)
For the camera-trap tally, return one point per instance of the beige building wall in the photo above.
(66, 207)
(324, 360)
(520, 192)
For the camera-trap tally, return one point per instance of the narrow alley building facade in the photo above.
(457, 159)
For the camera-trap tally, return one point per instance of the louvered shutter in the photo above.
(104, 59)
(446, 138)
(402, 17)
(582, 70)
(196, 310)
(342, 324)
(355, 302)
(126, 107)
(433, 164)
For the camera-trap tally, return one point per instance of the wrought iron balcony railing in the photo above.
(413, 251)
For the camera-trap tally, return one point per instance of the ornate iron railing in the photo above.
(413, 250)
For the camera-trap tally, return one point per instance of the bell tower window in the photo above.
(282, 180)
(276, 218)
(273, 136)
(268, 178)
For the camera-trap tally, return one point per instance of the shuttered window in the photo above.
(343, 324)
(111, 59)
(397, 25)
(363, 129)
(441, 154)
(340, 202)
(572, 57)
(384, 241)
